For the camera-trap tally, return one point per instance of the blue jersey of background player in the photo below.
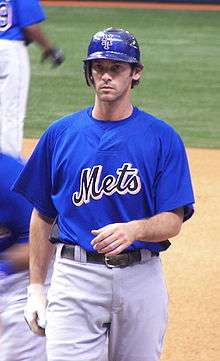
(16, 15)
(19, 25)
(17, 341)
(15, 213)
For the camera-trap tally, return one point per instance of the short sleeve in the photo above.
(29, 12)
(15, 210)
(174, 185)
(35, 181)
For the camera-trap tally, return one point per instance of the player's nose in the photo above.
(106, 74)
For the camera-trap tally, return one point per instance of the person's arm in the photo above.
(35, 34)
(41, 252)
(17, 256)
(114, 238)
(13, 257)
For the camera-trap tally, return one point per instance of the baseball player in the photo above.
(19, 26)
(17, 342)
(117, 183)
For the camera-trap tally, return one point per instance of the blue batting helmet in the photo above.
(114, 44)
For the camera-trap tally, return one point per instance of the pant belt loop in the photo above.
(59, 247)
(82, 254)
(77, 254)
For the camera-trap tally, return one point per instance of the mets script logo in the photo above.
(5, 16)
(107, 41)
(91, 186)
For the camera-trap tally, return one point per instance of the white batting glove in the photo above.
(35, 309)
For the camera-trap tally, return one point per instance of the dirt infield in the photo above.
(135, 5)
(192, 267)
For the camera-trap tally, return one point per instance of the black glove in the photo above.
(55, 55)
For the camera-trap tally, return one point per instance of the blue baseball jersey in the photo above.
(15, 210)
(15, 15)
(89, 173)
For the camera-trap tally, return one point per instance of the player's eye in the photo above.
(116, 68)
(98, 68)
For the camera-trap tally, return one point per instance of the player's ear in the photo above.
(137, 71)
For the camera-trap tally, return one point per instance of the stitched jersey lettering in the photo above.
(91, 186)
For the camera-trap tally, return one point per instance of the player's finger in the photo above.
(32, 323)
(105, 242)
(102, 229)
(117, 250)
(37, 330)
(95, 232)
(111, 246)
(100, 237)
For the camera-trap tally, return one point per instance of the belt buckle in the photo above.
(109, 265)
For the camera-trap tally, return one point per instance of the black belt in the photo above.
(123, 259)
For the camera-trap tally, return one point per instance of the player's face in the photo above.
(112, 79)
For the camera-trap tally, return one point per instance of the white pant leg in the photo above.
(139, 313)
(78, 311)
(17, 341)
(14, 86)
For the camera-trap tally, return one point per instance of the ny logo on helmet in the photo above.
(107, 41)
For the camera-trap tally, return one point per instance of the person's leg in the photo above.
(17, 341)
(139, 316)
(14, 85)
(78, 311)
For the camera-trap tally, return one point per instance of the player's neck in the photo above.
(111, 110)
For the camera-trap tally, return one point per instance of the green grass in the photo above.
(181, 80)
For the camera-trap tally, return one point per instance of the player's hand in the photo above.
(113, 238)
(55, 55)
(35, 309)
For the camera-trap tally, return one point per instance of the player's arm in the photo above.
(114, 238)
(13, 257)
(35, 34)
(41, 252)
(17, 257)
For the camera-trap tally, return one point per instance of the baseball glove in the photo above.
(55, 55)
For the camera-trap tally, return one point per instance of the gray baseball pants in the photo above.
(90, 303)
(17, 342)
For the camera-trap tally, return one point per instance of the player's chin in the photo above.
(107, 96)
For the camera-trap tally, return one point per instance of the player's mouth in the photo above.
(106, 88)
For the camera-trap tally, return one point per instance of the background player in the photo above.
(19, 25)
(118, 181)
(17, 342)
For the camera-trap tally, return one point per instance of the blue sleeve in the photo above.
(15, 211)
(29, 12)
(18, 217)
(35, 181)
(174, 186)
(6, 241)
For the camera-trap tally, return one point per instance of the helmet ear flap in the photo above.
(87, 72)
